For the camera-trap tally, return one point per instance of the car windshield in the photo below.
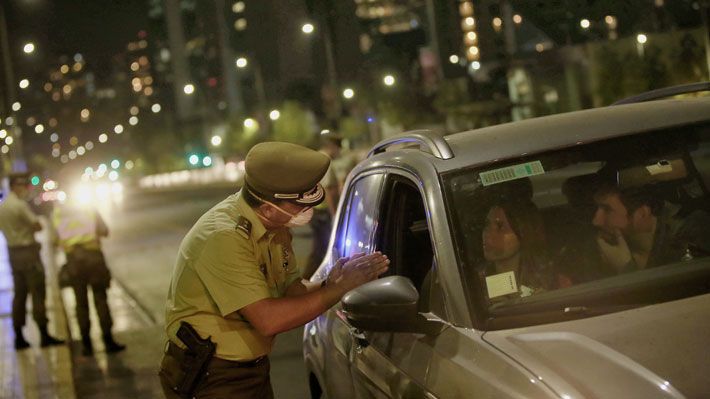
(585, 229)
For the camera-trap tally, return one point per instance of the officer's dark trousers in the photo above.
(88, 268)
(224, 378)
(28, 277)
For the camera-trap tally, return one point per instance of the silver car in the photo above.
(559, 257)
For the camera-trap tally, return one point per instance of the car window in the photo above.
(406, 239)
(359, 221)
(604, 225)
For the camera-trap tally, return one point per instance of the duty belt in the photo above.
(172, 349)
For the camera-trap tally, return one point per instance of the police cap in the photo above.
(284, 171)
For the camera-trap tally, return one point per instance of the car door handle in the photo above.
(359, 337)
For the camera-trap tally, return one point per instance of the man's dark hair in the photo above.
(249, 198)
(636, 197)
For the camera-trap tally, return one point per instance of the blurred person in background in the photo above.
(18, 224)
(79, 229)
(323, 214)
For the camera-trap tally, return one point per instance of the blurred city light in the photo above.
(585, 24)
(89, 145)
(238, 7)
(389, 80)
(193, 159)
(307, 28)
(249, 123)
(24, 83)
(129, 165)
(3, 133)
(115, 164)
(207, 160)
(113, 175)
(241, 62)
(9, 121)
(39, 128)
(103, 137)
(118, 129)
(189, 89)
(9, 140)
(454, 59)
(155, 108)
(15, 107)
(517, 18)
(641, 38)
(274, 115)
(475, 65)
(35, 180)
(5, 149)
(348, 93)
(216, 141)
(133, 120)
(29, 48)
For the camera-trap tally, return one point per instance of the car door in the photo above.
(388, 364)
(356, 228)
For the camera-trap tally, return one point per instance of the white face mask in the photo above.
(301, 218)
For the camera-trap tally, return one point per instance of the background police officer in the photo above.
(18, 224)
(236, 280)
(79, 229)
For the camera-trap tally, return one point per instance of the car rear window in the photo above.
(587, 229)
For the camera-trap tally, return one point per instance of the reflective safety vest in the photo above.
(76, 226)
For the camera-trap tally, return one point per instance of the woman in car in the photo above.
(514, 242)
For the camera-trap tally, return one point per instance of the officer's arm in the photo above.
(302, 286)
(271, 316)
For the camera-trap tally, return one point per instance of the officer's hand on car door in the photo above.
(360, 269)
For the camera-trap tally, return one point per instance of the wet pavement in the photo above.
(141, 262)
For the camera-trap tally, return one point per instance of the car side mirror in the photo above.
(388, 305)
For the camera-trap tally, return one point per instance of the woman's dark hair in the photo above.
(527, 224)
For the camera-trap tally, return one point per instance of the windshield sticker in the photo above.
(511, 173)
(501, 284)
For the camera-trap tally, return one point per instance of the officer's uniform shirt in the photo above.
(16, 221)
(227, 261)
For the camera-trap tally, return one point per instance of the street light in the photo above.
(274, 114)
(29, 48)
(189, 89)
(584, 23)
(241, 62)
(641, 38)
(24, 83)
(348, 93)
(216, 141)
(307, 28)
(389, 80)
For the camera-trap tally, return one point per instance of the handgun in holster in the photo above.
(197, 357)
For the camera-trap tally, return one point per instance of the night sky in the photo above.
(95, 28)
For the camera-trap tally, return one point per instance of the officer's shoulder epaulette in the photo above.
(243, 226)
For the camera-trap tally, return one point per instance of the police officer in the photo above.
(79, 230)
(18, 224)
(237, 283)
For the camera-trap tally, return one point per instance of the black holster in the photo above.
(183, 369)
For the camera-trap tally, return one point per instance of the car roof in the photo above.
(512, 139)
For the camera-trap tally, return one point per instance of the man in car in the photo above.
(236, 283)
(638, 229)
